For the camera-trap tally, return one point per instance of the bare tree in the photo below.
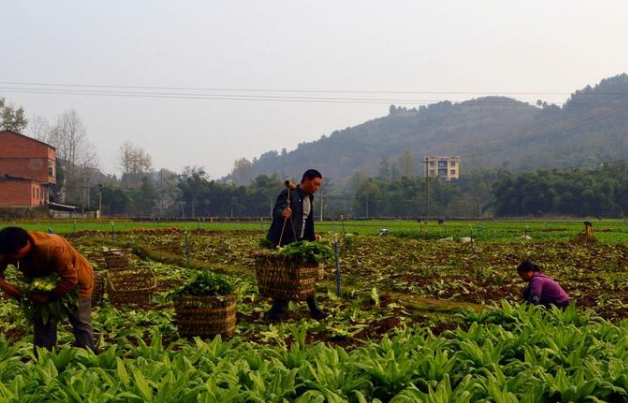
(74, 153)
(168, 190)
(135, 164)
(39, 129)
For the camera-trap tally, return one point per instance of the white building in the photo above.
(446, 168)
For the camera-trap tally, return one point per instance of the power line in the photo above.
(289, 90)
(283, 89)
(286, 98)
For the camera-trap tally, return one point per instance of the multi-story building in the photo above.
(27, 171)
(445, 168)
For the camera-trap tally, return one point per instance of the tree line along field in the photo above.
(419, 320)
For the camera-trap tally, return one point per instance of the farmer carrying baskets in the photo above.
(293, 220)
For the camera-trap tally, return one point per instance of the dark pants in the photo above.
(81, 320)
(279, 310)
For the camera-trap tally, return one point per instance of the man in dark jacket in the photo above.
(293, 220)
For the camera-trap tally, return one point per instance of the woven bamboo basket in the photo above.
(99, 289)
(205, 316)
(275, 280)
(132, 286)
(117, 258)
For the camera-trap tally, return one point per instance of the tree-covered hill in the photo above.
(487, 132)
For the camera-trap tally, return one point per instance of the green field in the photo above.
(607, 230)
(418, 320)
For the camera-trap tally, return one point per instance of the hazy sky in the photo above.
(220, 80)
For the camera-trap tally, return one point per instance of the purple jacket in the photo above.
(545, 291)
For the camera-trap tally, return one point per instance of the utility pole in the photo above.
(89, 193)
(321, 205)
(82, 194)
(427, 190)
(367, 205)
(100, 188)
(161, 193)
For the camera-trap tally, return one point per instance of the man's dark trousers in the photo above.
(81, 320)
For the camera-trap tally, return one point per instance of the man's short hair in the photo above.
(311, 174)
(12, 239)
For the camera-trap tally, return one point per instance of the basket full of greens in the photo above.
(291, 272)
(205, 306)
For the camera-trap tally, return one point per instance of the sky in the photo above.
(204, 83)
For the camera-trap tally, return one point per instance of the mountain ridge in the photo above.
(488, 132)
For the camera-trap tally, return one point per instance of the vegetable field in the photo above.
(420, 319)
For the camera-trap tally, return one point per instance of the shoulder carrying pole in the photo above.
(290, 186)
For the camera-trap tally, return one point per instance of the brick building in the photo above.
(27, 171)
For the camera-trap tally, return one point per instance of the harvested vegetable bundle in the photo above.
(51, 311)
(206, 284)
(306, 252)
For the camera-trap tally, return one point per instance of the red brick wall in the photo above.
(18, 194)
(26, 158)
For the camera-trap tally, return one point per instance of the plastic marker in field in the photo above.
(336, 253)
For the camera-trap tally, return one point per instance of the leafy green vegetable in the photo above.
(206, 284)
(51, 311)
(306, 252)
(266, 243)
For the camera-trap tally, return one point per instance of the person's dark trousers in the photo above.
(45, 334)
(279, 310)
(81, 320)
(315, 311)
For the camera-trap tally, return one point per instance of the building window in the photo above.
(51, 168)
(442, 164)
(452, 172)
(442, 172)
(432, 172)
(432, 163)
(452, 164)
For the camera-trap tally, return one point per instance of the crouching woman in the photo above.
(541, 289)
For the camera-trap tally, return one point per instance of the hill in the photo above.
(489, 132)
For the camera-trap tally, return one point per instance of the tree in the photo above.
(11, 118)
(383, 171)
(406, 165)
(74, 152)
(241, 171)
(147, 197)
(39, 129)
(168, 190)
(135, 164)
(192, 181)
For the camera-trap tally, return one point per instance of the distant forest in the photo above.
(596, 192)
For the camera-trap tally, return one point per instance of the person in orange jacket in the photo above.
(37, 254)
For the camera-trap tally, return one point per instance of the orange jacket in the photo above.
(53, 254)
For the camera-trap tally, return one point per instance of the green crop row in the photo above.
(507, 354)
